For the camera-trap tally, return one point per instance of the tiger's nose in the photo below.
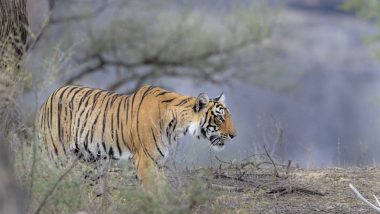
(232, 135)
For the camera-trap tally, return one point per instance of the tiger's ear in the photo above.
(221, 98)
(201, 102)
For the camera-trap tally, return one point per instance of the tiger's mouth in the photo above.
(217, 142)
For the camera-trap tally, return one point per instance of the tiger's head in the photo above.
(213, 121)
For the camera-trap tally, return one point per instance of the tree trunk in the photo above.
(13, 35)
(13, 30)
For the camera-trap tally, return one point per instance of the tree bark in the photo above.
(13, 28)
(13, 35)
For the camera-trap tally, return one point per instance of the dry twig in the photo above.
(292, 189)
(258, 184)
(274, 164)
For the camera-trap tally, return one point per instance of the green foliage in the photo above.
(368, 10)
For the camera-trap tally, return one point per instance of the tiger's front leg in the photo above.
(147, 171)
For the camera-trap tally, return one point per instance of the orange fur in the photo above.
(93, 124)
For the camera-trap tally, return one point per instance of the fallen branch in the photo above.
(291, 189)
(357, 193)
(236, 178)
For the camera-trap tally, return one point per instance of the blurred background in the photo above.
(300, 77)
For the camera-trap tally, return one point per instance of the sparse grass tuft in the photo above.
(165, 199)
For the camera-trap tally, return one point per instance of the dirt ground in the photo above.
(247, 189)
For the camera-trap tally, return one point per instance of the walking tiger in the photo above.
(93, 124)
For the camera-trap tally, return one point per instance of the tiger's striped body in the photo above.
(93, 124)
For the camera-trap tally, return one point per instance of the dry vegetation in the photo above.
(256, 185)
(255, 190)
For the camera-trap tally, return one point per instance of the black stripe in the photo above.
(50, 121)
(133, 102)
(183, 101)
(162, 93)
(80, 115)
(98, 152)
(73, 97)
(122, 125)
(112, 133)
(117, 143)
(85, 96)
(59, 120)
(155, 142)
(168, 101)
(96, 120)
(51, 110)
(86, 117)
(71, 113)
(126, 107)
(104, 122)
(67, 109)
(205, 119)
(130, 106)
(160, 123)
(110, 152)
(141, 101)
(118, 112)
(132, 141)
(175, 121)
(86, 144)
(93, 129)
(114, 96)
(170, 128)
(96, 99)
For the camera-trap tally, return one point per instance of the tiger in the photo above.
(94, 124)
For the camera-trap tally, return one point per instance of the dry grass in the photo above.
(304, 191)
(249, 187)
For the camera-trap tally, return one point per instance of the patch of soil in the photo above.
(257, 190)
